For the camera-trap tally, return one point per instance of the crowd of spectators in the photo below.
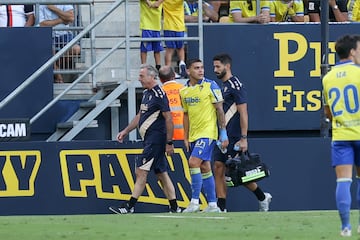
(289, 11)
(223, 11)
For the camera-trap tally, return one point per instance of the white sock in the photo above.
(212, 204)
(195, 201)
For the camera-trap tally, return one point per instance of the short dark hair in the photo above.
(344, 45)
(166, 73)
(224, 58)
(191, 62)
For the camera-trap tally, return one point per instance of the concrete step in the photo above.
(80, 91)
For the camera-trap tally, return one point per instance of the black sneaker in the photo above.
(123, 209)
(177, 210)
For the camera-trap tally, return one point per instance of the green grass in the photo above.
(295, 225)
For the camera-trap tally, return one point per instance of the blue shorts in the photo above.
(174, 44)
(222, 157)
(150, 46)
(203, 148)
(153, 158)
(60, 41)
(345, 152)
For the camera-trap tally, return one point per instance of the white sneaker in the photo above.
(192, 208)
(211, 209)
(264, 205)
(346, 232)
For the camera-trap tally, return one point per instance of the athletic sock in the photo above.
(343, 200)
(209, 186)
(221, 202)
(259, 194)
(173, 204)
(196, 182)
(132, 202)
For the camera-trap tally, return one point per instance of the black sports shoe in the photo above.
(123, 209)
(177, 210)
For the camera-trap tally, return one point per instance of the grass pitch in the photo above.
(295, 225)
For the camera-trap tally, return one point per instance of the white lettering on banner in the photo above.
(13, 130)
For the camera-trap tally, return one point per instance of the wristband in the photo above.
(223, 135)
(169, 143)
(243, 137)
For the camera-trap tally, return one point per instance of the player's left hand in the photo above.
(242, 145)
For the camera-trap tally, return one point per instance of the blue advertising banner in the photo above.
(278, 64)
(86, 177)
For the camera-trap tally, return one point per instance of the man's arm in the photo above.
(154, 4)
(339, 16)
(237, 16)
(220, 115)
(132, 125)
(327, 112)
(51, 23)
(242, 143)
(66, 16)
(314, 17)
(210, 12)
(186, 131)
(30, 20)
(222, 124)
(169, 132)
(242, 109)
(169, 125)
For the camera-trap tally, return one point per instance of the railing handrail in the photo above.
(130, 86)
(52, 60)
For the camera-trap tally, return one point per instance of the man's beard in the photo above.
(221, 75)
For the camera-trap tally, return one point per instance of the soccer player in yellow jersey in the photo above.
(354, 10)
(202, 100)
(245, 11)
(150, 26)
(174, 26)
(341, 92)
(287, 11)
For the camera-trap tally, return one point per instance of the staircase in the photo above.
(106, 96)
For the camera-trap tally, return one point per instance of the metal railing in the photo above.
(131, 86)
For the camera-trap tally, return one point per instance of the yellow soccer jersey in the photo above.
(247, 9)
(198, 102)
(174, 16)
(280, 11)
(341, 92)
(150, 18)
(354, 10)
